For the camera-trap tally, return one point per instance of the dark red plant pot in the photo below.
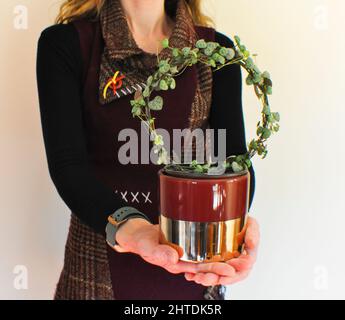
(204, 217)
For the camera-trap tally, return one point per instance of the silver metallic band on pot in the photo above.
(204, 241)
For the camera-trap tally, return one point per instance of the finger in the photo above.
(219, 268)
(165, 254)
(163, 240)
(206, 279)
(252, 236)
(181, 266)
(243, 263)
(159, 254)
(240, 276)
(189, 276)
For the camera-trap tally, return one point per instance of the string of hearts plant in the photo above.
(217, 57)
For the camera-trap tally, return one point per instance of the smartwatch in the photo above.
(118, 218)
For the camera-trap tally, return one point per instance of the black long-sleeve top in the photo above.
(59, 79)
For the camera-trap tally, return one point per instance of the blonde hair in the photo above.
(72, 10)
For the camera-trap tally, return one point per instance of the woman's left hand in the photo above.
(234, 270)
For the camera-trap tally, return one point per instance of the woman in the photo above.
(76, 57)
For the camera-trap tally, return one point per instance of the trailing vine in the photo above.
(217, 57)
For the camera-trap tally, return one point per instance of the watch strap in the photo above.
(117, 219)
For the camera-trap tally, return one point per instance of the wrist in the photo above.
(129, 228)
(117, 220)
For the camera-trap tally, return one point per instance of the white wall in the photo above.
(299, 191)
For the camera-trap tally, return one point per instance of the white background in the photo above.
(299, 199)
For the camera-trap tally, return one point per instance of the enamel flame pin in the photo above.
(114, 83)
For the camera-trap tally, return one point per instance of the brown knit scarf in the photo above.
(122, 53)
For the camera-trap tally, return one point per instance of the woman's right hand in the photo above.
(139, 236)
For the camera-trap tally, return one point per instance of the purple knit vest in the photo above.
(132, 277)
